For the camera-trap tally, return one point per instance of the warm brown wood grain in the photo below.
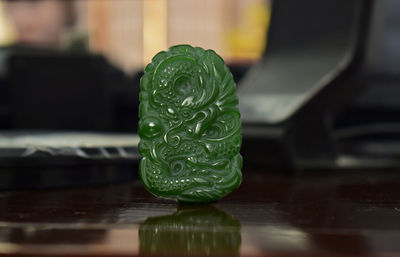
(314, 214)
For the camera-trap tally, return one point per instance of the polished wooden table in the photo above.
(272, 214)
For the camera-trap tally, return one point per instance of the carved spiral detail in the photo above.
(189, 126)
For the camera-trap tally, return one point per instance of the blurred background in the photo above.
(130, 32)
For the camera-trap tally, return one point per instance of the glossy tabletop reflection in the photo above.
(271, 214)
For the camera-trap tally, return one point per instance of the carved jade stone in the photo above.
(189, 126)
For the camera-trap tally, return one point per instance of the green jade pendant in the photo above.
(189, 126)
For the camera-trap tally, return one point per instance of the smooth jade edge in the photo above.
(189, 126)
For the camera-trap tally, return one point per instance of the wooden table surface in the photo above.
(271, 214)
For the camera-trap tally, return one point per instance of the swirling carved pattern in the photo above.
(189, 126)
